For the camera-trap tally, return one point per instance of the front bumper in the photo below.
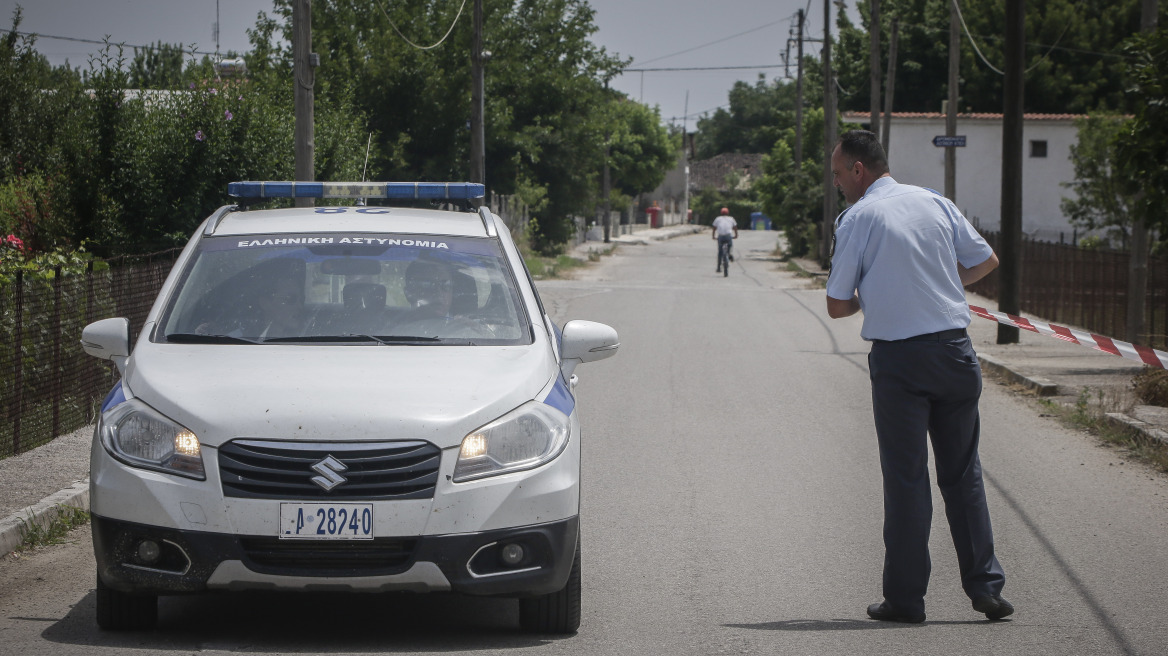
(468, 563)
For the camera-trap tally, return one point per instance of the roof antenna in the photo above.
(365, 167)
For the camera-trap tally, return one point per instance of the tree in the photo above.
(793, 196)
(1141, 147)
(753, 122)
(157, 67)
(642, 149)
(1100, 201)
(1072, 51)
(127, 172)
(1119, 169)
(546, 106)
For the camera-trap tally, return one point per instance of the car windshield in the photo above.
(346, 289)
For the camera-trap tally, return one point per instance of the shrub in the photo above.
(1151, 386)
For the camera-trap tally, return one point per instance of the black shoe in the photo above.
(883, 612)
(995, 608)
(718, 270)
(731, 257)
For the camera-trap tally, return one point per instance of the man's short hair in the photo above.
(864, 147)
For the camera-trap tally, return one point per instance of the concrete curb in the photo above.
(1141, 427)
(1040, 386)
(12, 528)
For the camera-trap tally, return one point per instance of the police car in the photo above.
(359, 398)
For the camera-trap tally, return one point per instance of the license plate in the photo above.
(326, 521)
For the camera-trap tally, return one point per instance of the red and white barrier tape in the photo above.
(1148, 356)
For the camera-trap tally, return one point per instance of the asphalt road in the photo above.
(732, 505)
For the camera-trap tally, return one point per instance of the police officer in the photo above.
(902, 255)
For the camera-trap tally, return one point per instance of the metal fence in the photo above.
(48, 385)
(1087, 288)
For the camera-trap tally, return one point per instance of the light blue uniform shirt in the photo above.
(899, 246)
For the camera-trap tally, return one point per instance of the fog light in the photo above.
(148, 552)
(512, 554)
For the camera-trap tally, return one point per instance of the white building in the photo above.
(1046, 166)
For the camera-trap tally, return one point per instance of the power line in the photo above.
(701, 68)
(697, 114)
(406, 39)
(716, 41)
(122, 44)
(974, 43)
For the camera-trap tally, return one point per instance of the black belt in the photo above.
(942, 336)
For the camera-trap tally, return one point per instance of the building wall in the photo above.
(669, 195)
(914, 159)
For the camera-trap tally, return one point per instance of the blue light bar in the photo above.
(391, 190)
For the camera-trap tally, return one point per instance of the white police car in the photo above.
(362, 398)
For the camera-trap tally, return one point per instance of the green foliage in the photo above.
(1151, 386)
(707, 204)
(182, 148)
(1141, 147)
(641, 148)
(546, 107)
(759, 115)
(132, 170)
(32, 121)
(1100, 202)
(52, 528)
(157, 67)
(1072, 51)
(83, 158)
(41, 265)
(793, 196)
(29, 206)
(1093, 243)
(1120, 174)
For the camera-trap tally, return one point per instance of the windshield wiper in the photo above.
(197, 338)
(352, 337)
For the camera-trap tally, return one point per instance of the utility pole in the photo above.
(303, 61)
(477, 133)
(605, 190)
(874, 68)
(799, 101)
(1010, 276)
(951, 106)
(829, 136)
(890, 84)
(1137, 285)
(686, 152)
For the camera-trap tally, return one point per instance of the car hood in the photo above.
(318, 393)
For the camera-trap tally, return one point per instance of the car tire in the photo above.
(120, 611)
(558, 612)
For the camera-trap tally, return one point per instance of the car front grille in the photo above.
(379, 556)
(263, 469)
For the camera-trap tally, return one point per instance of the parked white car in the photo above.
(357, 398)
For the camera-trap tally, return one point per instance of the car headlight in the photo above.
(139, 436)
(527, 437)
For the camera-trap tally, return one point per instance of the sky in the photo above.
(655, 33)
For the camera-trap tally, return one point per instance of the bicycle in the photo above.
(724, 257)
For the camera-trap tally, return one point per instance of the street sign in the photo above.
(949, 142)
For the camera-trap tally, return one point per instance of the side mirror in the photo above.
(586, 341)
(108, 339)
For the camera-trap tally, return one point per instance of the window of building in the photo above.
(1038, 148)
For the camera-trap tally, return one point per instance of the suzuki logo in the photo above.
(329, 470)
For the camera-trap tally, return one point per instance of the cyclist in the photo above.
(725, 232)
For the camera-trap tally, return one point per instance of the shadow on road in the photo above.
(311, 622)
(844, 625)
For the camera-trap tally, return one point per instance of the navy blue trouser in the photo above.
(729, 241)
(919, 388)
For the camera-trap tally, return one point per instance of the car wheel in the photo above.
(558, 612)
(118, 610)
